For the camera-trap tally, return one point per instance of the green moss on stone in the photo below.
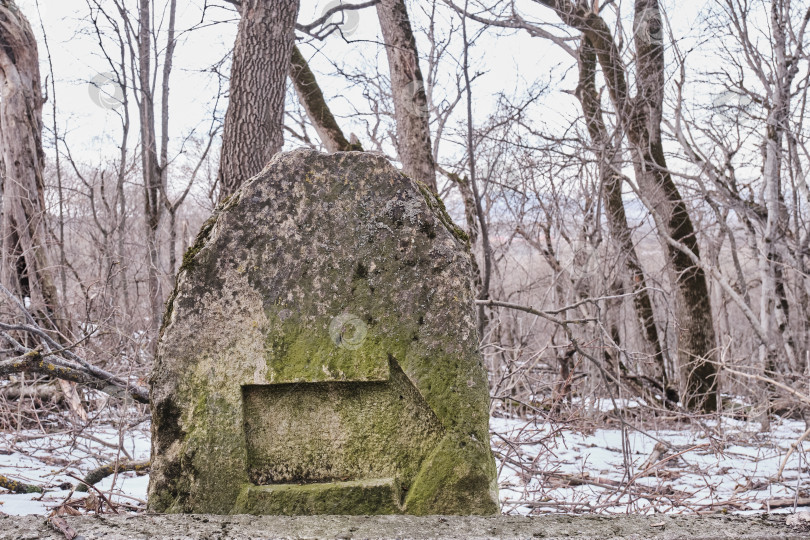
(358, 497)
(458, 478)
(298, 351)
(317, 432)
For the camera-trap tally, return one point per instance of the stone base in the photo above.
(378, 496)
(206, 526)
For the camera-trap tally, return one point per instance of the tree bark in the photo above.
(612, 180)
(152, 176)
(640, 117)
(313, 102)
(774, 311)
(255, 117)
(696, 338)
(408, 90)
(26, 269)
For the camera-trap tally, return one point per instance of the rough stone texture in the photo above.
(112, 527)
(319, 354)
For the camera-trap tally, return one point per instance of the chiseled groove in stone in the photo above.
(319, 432)
(356, 497)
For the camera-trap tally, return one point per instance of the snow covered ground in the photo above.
(542, 467)
(726, 465)
(49, 460)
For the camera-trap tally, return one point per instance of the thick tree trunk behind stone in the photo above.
(25, 268)
(408, 90)
(255, 117)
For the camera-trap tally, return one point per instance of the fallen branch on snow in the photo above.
(97, 475)
(18, 487)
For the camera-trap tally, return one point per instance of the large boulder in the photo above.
(318, 354)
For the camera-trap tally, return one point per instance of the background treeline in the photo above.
(639, 215)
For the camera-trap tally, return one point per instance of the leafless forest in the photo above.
(639, 212)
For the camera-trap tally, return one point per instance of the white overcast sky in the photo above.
(508, 63)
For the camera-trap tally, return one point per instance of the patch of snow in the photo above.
(49, 460)
(542, 467)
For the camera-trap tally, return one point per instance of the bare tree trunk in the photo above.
(172, 242)
(26, 268)
(60, 189)
(255, 116)
(408, 90)
(123, 282)
(612, 180)
(168, 60)
(641, 117)
(313, 102)
(696, 338)
(483, 293)
(774, 315)
(121, 198)
(152, 177)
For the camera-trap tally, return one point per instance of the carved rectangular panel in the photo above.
(337, 431)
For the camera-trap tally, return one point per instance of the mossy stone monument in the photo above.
(318, 354)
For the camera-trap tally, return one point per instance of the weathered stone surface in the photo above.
(319, 354)
(655, 527)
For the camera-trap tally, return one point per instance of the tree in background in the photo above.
(155, 167)
(26, 266)
(253, 130)
(408, 91)
(311, 98)
(750, 146)
(541, 189)
(612, 180)
(639, 117)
